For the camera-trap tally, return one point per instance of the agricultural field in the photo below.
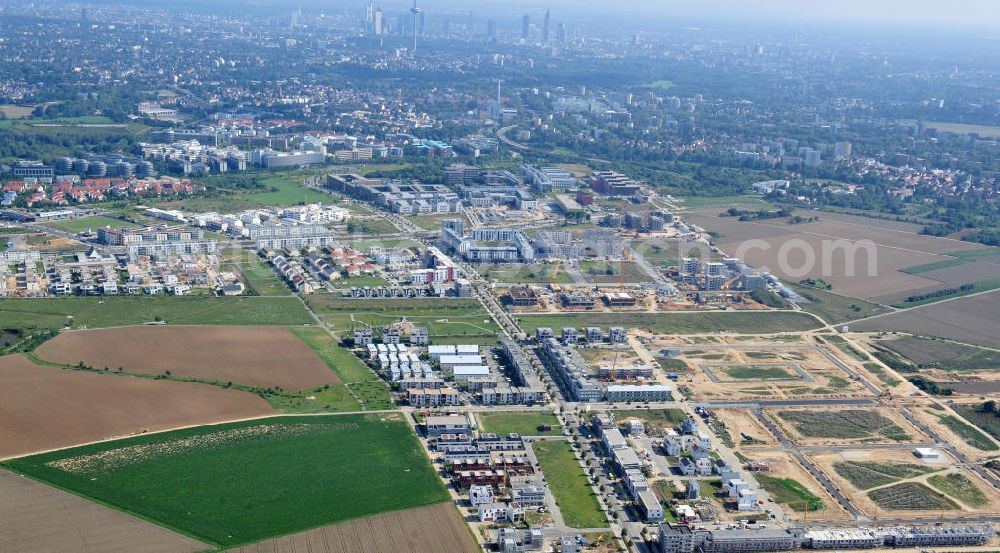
(44, 408)
(94, 312)
(282, 470)
(444, 317)
(523, 423)
(254, 356)
(576, 499)
(842, 426)
(693, 322)
(434, 529)
(984, 131)
(37, 517)
(944, 355)
(881, 250)
(970, 319)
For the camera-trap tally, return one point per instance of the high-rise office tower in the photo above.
(545, 25)
(370, 17)
(525, 26)
(378, 22)
(491, 29)
(561, 33)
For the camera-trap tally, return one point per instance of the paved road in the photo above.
(809, 466)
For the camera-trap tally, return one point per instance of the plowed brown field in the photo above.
(35, 518)
(266, 357)
(434, 529)
(44, 408)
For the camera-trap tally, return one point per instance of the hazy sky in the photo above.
(978, 13)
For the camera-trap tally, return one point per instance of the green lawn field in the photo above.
(443, 317)
(574, 496)
(834, 308)
(756, 322)
(525, 424)
(365, 386)
(93, 223)
(283, 191)
(239, 483)
(95, 312)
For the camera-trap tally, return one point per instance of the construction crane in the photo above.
(555, 276)
(626, 256)
(729, 283)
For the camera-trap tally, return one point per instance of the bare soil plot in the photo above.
(434, 529)
(44, 408)
(783, 465)
(724, 371)
(972, 319)
(843, 426)
(255, 356)
(35, 518)
(744, 426)
(948, 277)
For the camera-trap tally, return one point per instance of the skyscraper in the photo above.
(561, 33)
(416, 15)
(525, 26)
(370, 17)
(545, 26)
(378, 22)
(491, 29)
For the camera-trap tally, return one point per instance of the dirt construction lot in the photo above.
(434, 529)
(768, 371)
(44, 408)
(741, 423)
(894, 483)
(266, 357)
(783, 465)
(35, 518)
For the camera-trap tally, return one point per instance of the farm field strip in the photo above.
(253, 356)
(285, 471)
(38, 517)
(43, 408)
(434, 529)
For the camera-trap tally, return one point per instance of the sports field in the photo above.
(240, 483)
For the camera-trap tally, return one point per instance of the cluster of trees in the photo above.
(930, 386)
(757, 215)
(939, 293)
